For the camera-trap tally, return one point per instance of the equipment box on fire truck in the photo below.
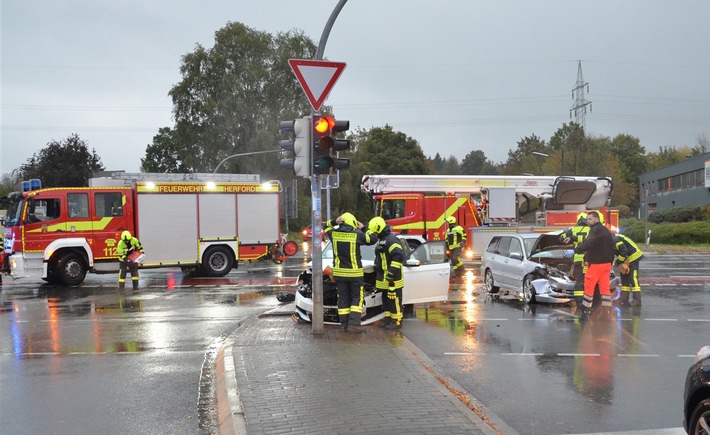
(416, 206)
(204, 223)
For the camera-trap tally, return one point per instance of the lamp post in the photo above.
(562, 159)
(241, 154)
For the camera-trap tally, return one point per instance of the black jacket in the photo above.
(598, 247)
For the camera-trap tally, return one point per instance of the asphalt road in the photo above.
(543, 372)
(92, 359)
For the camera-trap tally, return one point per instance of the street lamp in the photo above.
(242, 154)
(562, 159)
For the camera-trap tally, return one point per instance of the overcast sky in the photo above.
(456, 75)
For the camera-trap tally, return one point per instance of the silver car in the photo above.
(534, 267)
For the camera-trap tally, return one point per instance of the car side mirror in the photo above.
(412, 262)
(516, 255)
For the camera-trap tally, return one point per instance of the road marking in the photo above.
(578, 354)
(522, 354)
(636, 355)
(662, 320)
(698, 320)
(463, 353)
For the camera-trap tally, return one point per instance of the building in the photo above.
(683, 183)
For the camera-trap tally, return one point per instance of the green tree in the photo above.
(67, 163)
(667, 156)
(163, 154)
(522, 160)
(476, 163)
(380, 150)
(230, 100)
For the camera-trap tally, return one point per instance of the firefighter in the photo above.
(455, 239)
(347, 268)
(576, 236)
(599, 255)
(389, 256)
(126, 246)
(628, 255)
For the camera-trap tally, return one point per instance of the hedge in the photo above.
(684, 233)
(688, 213)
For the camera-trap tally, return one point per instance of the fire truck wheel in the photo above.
(490, 285)
(71, 269)
(218, 261)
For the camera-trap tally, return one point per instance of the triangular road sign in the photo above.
(317, 78)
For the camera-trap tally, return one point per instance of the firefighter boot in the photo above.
(623, 299)
(394, 325)
(386, 322)
(584, 314)
(135, 284)
(636, 301)
(122, 285)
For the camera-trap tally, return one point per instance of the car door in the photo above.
(426, 274)
(500, 267)
(514, 263)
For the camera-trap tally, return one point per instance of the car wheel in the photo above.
(700, 420)
(489, 283)
(528, 290)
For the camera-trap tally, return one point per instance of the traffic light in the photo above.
(299, 145)
(326, 146)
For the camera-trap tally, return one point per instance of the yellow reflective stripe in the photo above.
(78, 226)
(396, 264)
(440, 220)
(349, 273)
(394, 246)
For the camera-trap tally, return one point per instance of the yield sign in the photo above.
(317, 78)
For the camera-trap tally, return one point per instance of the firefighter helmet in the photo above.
(349, 219)
(377, 224)
(126, 235)
(582, 218)
(451, 220)
(601, 217)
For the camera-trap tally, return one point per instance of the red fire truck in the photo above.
(203, 223)
(416, 206)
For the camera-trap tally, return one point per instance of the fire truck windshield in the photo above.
(14, 210)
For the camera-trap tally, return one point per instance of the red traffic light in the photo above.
(323, 124)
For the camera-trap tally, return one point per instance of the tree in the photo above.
(163, 154)
(476, 163)
(62, 164)
(230, 100)
(667, 156)
(522, 160)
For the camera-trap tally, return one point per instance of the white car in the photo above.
(426, 279)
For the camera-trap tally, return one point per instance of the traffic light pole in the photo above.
(316, 220)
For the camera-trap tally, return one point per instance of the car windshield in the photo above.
(529, 243)
(367, 252)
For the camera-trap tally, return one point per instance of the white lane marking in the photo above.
(662, 320)
(637, 355)
(578, 354)
(698, 320)
(522, 354)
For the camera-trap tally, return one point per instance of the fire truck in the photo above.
(416, 206)
(203, 223)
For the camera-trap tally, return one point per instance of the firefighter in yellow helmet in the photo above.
(455, 239)
(628, 255)
(576, 236)
(126, 246)
(347, 268)
(389, 279)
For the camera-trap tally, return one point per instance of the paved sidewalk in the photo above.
(275, 376)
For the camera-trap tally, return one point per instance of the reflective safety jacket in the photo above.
(455, 237)
(125, 248)
(389, 256)
(626, 250)
(576, 234)
(347, 260)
